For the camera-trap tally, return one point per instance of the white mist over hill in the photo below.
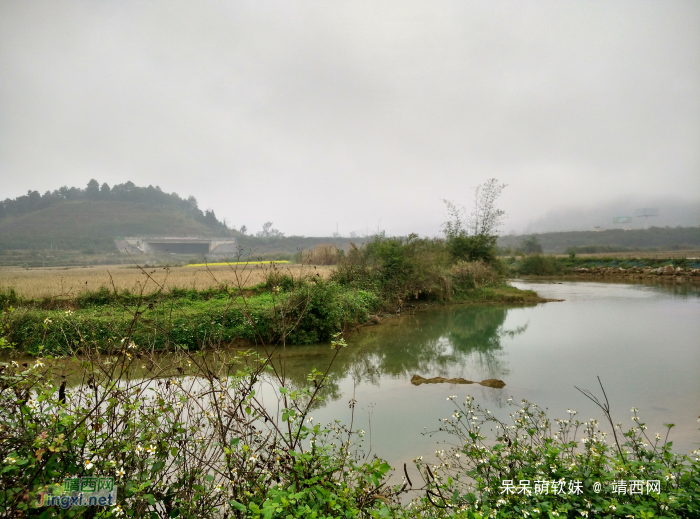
(672, 212)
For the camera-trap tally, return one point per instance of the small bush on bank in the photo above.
(472, 248)
(9, 297)
(470, 275)
(538, 265)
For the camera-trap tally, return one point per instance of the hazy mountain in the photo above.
(672, 212)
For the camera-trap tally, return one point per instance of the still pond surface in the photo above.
(642, 340)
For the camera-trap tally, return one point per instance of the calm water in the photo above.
(643, 341)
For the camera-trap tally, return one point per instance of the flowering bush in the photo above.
(538, 467)
(199, 444)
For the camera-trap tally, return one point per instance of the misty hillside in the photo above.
(89, 219)
(672, 212)
(611, 240)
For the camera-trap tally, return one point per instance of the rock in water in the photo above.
(417, 380)
(493, 382)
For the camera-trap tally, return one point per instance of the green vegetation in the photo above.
(473, 237)
(148, 392)
(612, 240)
(187, 435)
(539, 265)
(510, 471)
(384, 275)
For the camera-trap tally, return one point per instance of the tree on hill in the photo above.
(269, 232)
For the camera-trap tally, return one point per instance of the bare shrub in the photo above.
(324, 254)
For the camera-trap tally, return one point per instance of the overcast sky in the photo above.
(363, 113)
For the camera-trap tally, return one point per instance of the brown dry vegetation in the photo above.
(55, 282)
(323, 254)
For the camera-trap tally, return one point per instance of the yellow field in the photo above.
(276, 262)
(69, 281)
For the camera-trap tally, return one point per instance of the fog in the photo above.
(363, 115)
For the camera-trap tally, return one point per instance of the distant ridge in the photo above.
(89, 219)
(612, 240)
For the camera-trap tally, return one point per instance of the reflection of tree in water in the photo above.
(435, 343)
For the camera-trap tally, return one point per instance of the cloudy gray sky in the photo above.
(361, 113)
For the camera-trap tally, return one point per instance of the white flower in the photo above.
(117, 510)
(47, 321)
(89, 464)
(139, 449)
(633, 410)
(10, 460)
(151, 449)
(658, 436)
(132, 345)
(310, 419)
(120, 472)
(33, 404)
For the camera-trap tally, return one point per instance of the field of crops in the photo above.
(69, 281)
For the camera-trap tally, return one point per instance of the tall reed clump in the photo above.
(322, 254)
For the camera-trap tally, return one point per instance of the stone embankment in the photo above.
(667, 272)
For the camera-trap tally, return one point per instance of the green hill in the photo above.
(93, 225)
(89, 219)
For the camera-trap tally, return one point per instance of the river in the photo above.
(643, 340)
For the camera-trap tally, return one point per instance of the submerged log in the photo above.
(417, 380)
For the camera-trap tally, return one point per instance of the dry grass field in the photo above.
(37, 283)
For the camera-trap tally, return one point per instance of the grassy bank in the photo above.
(312, 311)
(287, 306)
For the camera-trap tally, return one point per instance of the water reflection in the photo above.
(456, 341)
